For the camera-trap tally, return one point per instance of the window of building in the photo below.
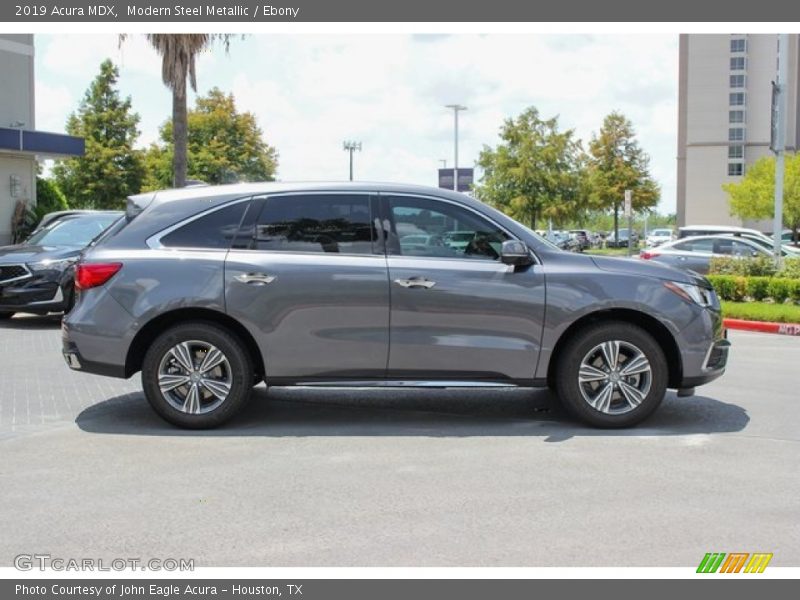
(426, 227)
(737, 63)
(735, 169)
(736, 116)
(737, 98)
(736, 134)
(316, 223)
(736, 151)
(737, 81)
(738, 45)
(214, 230)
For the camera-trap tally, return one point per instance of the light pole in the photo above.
(779, 139)
(455, 108)
(350, 146)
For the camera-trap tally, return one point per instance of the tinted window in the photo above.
(423, 227)
(214, 230)
(695, 246)
(316, 223)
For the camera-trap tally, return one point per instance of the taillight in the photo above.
(89, 275)
(647, 255)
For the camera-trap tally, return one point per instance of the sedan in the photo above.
(37, 275)
(695, 253)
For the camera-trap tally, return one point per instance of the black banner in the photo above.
(40, 11)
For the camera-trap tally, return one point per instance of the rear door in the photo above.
(309, 279)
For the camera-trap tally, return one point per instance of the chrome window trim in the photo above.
(27, 275)
(154, 241)
(472, 210)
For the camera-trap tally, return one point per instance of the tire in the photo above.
(177, 356)
(584, 378)
(6, 315)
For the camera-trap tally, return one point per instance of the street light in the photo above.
(455, 108)
(350, 146)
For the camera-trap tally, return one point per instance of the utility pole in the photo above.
(779, 137)
(456, 108)
(351, 147)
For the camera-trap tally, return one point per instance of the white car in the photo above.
(656, 237)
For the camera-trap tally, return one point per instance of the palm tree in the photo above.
(178, 52)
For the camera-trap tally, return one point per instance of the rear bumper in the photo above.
(76, 362)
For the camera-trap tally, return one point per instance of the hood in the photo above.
(28, 254)
(646, 268)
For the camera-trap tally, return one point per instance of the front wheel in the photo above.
(612, 375)
(197, 375)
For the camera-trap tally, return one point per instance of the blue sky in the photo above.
(310, 92)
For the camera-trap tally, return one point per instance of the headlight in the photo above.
(693, 293)
(52, 265)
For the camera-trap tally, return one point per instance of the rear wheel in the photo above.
(197, 375)
(612, 375)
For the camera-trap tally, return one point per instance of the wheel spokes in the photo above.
(183, 354)
(170, 381)
(192, 403)
(632, 394)
(589, 373)
(220, 389)
(212, 359)
(602, 400)
(635, 365)
(610, 352)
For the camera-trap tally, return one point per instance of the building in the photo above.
(724, 109)
(20, 143)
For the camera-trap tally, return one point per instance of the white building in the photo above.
(724, 108)
(20, 143)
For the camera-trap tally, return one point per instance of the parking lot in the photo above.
(411, 478)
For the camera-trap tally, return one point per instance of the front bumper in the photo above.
(35, 295)
(714, 364)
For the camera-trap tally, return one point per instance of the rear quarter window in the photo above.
(215, 230)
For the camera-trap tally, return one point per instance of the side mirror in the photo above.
(515, 253)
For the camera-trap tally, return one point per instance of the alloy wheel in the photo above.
(195, 377)
(615, 377)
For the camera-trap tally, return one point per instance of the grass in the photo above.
(609, 251)
(761, 311)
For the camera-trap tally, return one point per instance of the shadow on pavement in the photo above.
(287, 412)
(27, 322)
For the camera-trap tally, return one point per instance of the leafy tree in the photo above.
(617, 163)
(534, 172)
(111, 168)
(178, 54)
(754, 196)
(224, 145)
(49, 198)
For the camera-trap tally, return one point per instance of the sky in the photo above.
(311, 92)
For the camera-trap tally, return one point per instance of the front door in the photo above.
(457, 312)
(311, 283)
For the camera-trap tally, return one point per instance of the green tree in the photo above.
(534, 173)
(224, 145)
(617, 163)
(111, 168)
(178, 54)
(754, 196)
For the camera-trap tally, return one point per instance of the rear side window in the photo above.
(316, 223)
(214, 230)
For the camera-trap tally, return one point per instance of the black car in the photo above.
(37, 275)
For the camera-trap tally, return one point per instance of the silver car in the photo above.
(208, 291)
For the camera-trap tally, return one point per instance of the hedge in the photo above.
(737, 288)
(759, 266)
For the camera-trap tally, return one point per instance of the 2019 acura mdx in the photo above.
(210, 290)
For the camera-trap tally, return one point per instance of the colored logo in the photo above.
(735, 562)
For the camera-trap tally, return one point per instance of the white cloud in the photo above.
(311, 92)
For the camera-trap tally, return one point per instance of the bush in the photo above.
(790, 268)
(757, 266)
(778, 289)
(735, 288)
(758, 287)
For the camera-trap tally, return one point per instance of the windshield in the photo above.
(76, 231)
(661, 232)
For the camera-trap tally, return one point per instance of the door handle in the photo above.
(415, 282)
(255, 278)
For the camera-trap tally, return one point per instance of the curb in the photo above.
(763, 326)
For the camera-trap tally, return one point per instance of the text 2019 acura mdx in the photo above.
(209, 290)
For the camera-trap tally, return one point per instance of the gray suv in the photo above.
(208, 291)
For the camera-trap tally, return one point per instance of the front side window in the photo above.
(316, 223)
(433, 228)
(213, 230)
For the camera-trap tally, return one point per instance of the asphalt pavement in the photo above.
(397, 478)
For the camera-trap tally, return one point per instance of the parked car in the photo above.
(208, 291)
(656, 237)
(36, 276)
(624, 240)
(697, 230)
(581, 236)
(695, 253)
